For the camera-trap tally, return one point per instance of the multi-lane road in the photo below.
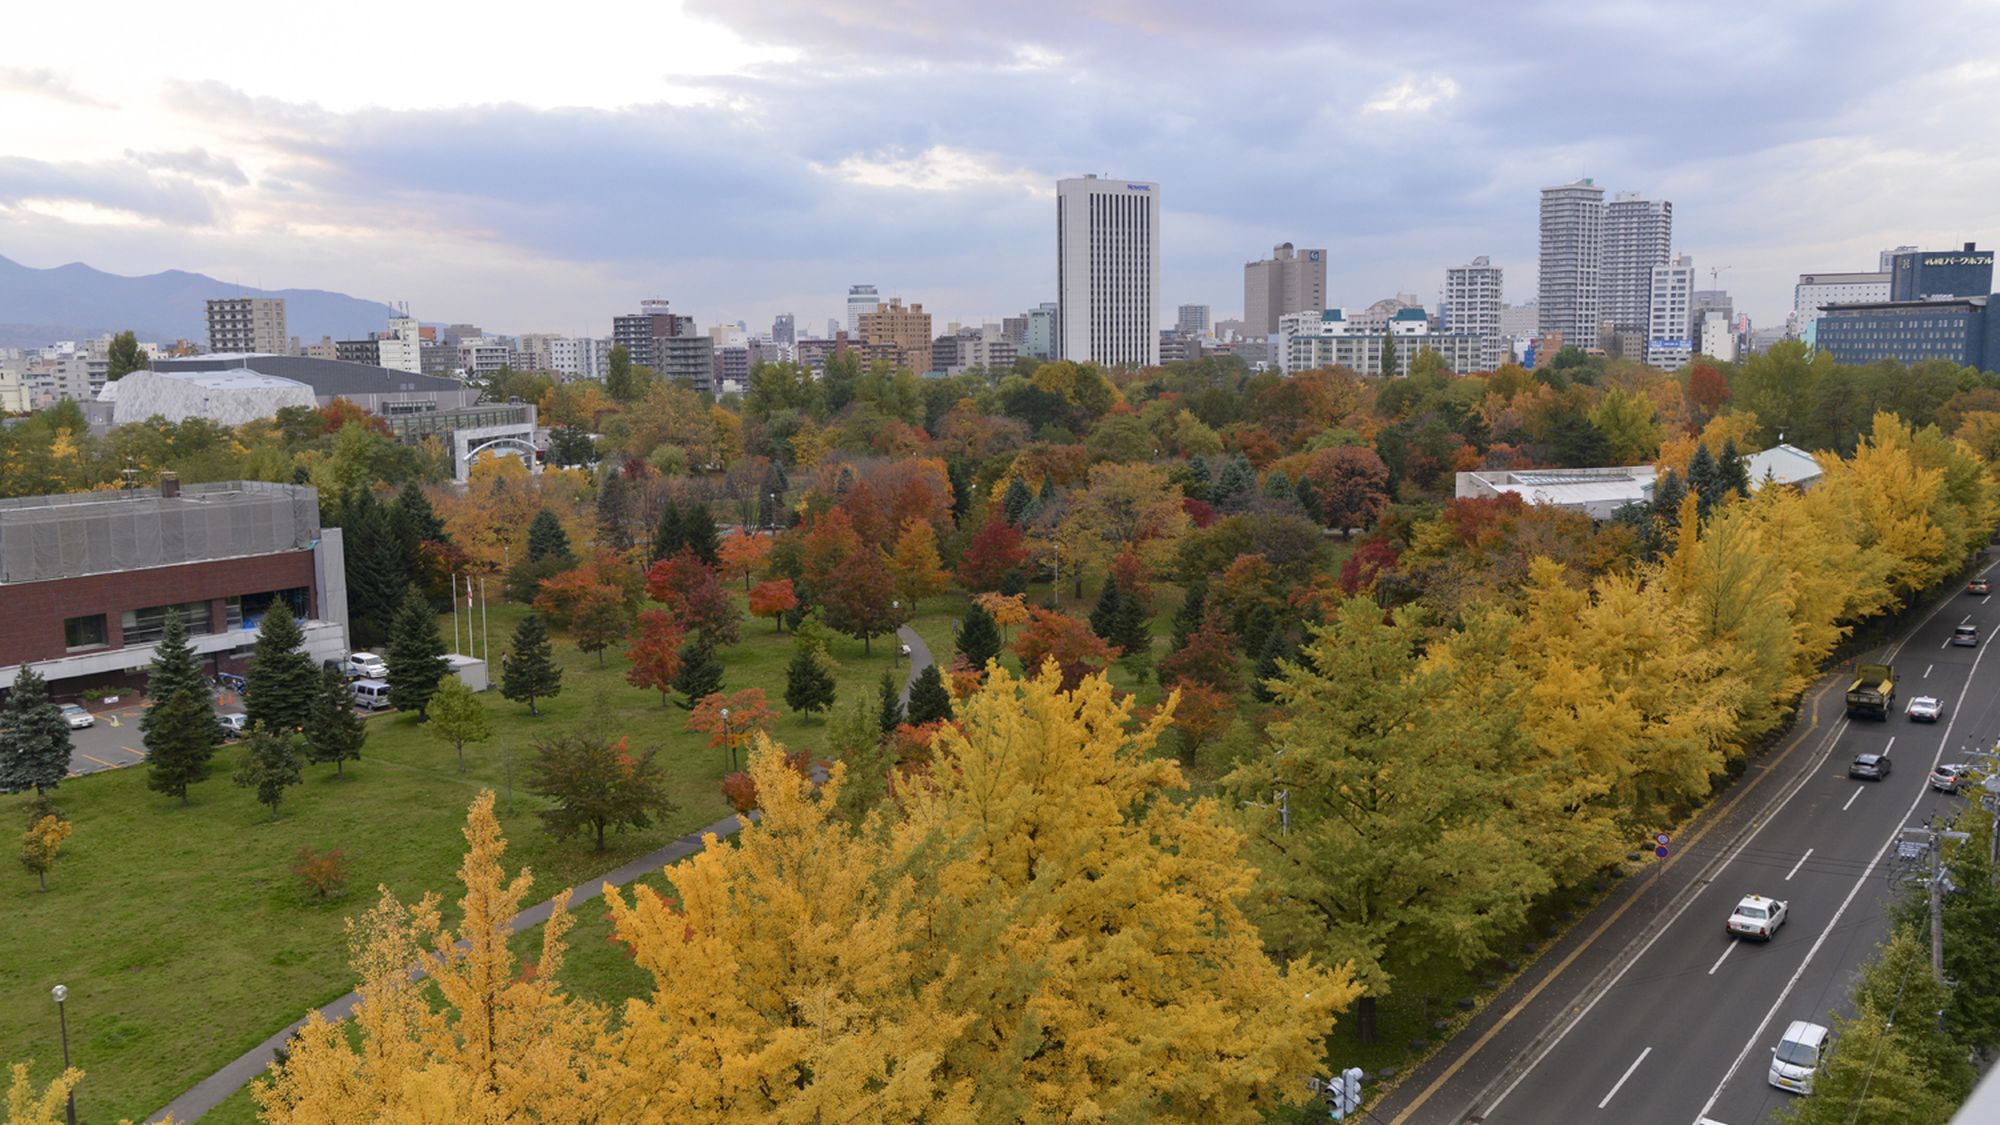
(1676, 1024)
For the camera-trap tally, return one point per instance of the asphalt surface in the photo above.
(1647, 1011)
(114, 743)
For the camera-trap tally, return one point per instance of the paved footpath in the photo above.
(216, 1088)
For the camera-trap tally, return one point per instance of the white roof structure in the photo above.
(231, 396)
(1783, 464)
(1598, 493)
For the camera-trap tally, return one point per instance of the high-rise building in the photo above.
(908, 330)
(1572, 261)
(534, 352)
(1886, 260)
(655, 320)
(1471, 304)
(401, 347)
(1108, 271)
(860, 299)
(1288, 281)
(689, 358)
(1043, 340)
(1638, 235)
(1817, 290)
(1917, 274)
(1962, 330)
(784, 330)
(248, 324)
(580, 357)
(1670, 331)
(1193, 320)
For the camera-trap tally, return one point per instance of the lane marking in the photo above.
(1891, 746)
(1727, 950)
(1967, 621)
(101, 761)
(135, 753)
(1927, 670)
(1627, 1074)
(1850, 800)
(1708, 1121)
(1799, 864)
(1986, 599)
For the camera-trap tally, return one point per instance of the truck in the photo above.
(1872, 692)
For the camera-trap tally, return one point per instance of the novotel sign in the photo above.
(1959, 260)
(1138, 187)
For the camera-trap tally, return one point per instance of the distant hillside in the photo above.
(75, 302)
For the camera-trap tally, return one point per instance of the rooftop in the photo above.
(326, 377)
(70, 535)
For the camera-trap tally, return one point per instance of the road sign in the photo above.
(1661, 852)
(1663, 839)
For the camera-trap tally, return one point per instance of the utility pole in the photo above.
(1931, 840)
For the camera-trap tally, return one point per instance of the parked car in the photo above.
(1978, 586)
(233, 724)
(1947, 778)
(1966, 636)
(367, 666)
(1797, 1056)
(1925, 709)
(1869, 767)
(1757, 917)
(370, 695)
(77, 717)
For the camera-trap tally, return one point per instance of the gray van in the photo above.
(370, 695)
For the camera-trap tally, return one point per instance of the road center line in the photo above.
(1627, 1074)
(1891, 746)
(1850, 800)
(1927, 670)
(1726, 951)
(1799, 864)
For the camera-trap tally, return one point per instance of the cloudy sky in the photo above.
(749, 157)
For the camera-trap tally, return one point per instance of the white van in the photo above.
(370, 695)
(1797, 1056)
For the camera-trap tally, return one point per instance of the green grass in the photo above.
(181, 932)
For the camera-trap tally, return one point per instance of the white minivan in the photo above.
(370, 695)
(1797, 1056)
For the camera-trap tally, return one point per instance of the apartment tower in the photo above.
(1289, 281)
(1470, 304)
(248, 324)
(1572, 261)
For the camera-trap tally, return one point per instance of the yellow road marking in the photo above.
(101, 761)
(129, 750)
(1684, 848)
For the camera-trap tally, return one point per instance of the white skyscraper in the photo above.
(1470, 303)
(1108, 270)
(1572, 261)
(1670, 321)
(860, 299)
(1638, 235)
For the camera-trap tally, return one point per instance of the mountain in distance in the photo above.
(77, 302)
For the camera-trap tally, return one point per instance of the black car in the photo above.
(1870, 766)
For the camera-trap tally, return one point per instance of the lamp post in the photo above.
(726, 740)
(61, 993)
(774, 510)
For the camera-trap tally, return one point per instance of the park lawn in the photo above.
(183, 937)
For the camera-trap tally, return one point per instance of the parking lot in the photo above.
(114, 741)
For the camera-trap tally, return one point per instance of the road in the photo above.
(1680, 1028)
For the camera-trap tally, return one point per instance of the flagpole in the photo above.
(454, 612)
(485, 638)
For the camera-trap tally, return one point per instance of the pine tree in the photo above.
(179, 727)
(1731, 471)
(854, 736)
(416, 656)
(337, 730)
(528, 671)
(700, 675)
(416, 523)
(1235, 483)
(808, 687)
(669, 538)
(1307, 494)
(889, 709)
(34, 737)
(548, 540)
(1280, 644)
(1705, 478)
(978, 637)
(1187, 619)
(698, 533)
(1389, 366)
(376, 577)
(1278, 487)
(1016, 501)
(929, 701)
(1129, 631)
(271, 764)
(1104, 615)
(614, 514)
(1047, 495)
(279, 689)
(1201, 482)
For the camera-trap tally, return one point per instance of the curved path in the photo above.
(223, 1084)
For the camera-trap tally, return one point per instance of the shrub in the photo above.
(324, 874)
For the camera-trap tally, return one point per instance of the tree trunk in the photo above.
(461, 756)
(600, 835)
(42, 877)
(340, 767)
(532, 710)
(864, 646)
(1364, 1019)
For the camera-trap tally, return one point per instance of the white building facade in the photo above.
(1816, 290)
(1638, 235)
(1470, 305)
(860, 299)
(1572, 261)
(580, 357)
(1108, 271)
(1670, 323)
(1329, 339)
(401, 348)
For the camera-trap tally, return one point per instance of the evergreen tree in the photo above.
(1016, 501)
(123, 357)
(1389, 366)
(668, 538)
(178, 728)
(1104, 616)
(1705, 478)
(279, 689)
(1128, 629)
(528, 671)
(1278, 487)
(416, 656)
(889, 709)
(548, 540)
(376, 576)
(614, 512)
(698, 533)
(1201, 482)
(337, 730)
(1187, 619)
(1236, 483)
(1731, 471)
(416, 523)
(854, 736)
(1307, 494)
(618, 379)
(929, 701)
(34, 737)
(1280, 644)
(271, 764)
(978, 637)
(700, 675)
(808, 687)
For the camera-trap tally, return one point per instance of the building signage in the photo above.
(1959, 260)
(1669, 345)
(1137, 187)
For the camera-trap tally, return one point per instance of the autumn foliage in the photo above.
(1076, 651)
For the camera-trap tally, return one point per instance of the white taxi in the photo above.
(1756, 917)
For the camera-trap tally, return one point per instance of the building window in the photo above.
(87, 632)
(144, 626)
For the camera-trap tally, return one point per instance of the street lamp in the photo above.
(896, 615)
(61, 993)
(774, 510)
(725, 738)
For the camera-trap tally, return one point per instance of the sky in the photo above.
(744, 158)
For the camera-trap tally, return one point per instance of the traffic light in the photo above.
(1343, 1094)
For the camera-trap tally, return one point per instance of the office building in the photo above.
(1917, 274)
(689, 358)
(1015, 329)
(1193, 320)
(655, 320)
(905, 329)
(1330, 339)
(1470, 304)
(325, 349)
(481, 357)
(1710, 306)
(1288, 281)
(1670, 339)
(580, 357)
(367, 351)
(89, 579)
(1108, 271)
(732, 368)
(1572, 261)
(861, 300)
(534, 351)
(1817, 290)
(784, 330)
(238, 325)
(1638, 235)
(985, 347)
(1957, 329)
(1718, 339)
(1043, 340)
(401, 347)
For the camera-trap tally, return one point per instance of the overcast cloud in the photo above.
(750, 157)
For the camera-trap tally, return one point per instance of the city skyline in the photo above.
(778, 166)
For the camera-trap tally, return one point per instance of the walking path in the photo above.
(216, 1088)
